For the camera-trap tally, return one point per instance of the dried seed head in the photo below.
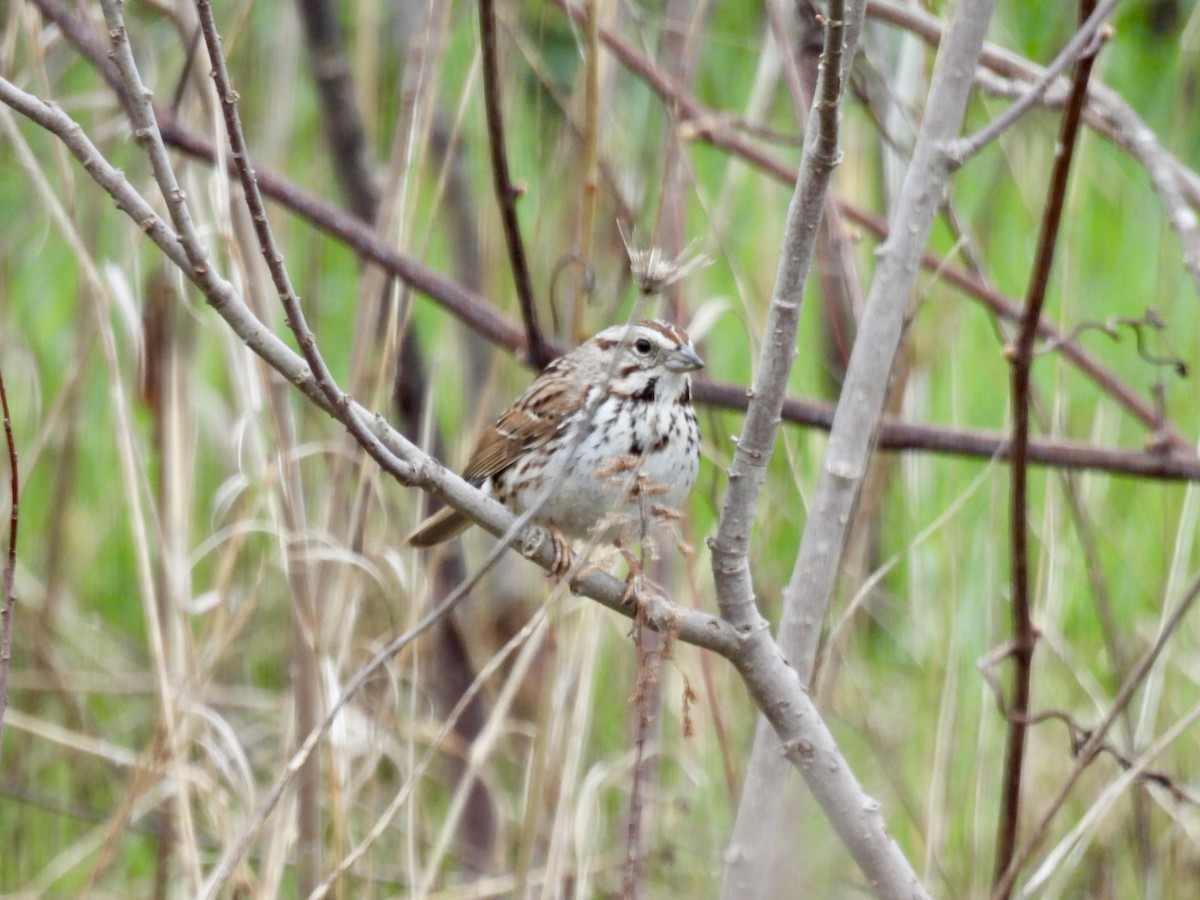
(653, 271)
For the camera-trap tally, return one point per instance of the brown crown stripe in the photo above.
(666, 329)
(674, 335)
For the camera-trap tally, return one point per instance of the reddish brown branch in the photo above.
(1024, 637)
(478, 314)
(506, 192)
(10, 564)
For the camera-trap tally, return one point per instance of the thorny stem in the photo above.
(1024, 637)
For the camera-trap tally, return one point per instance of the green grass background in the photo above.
(900, 680)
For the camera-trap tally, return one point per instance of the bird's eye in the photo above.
(642, 346)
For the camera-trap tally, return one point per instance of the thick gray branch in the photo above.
(774, 684)
(859, 411)
(860, 408)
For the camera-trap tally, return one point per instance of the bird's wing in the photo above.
(529, 423)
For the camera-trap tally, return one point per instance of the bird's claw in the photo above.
(635, 583)
(561, 566)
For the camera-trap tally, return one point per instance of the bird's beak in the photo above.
(685, 359)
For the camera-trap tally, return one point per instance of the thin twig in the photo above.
(585, 238)
(1078, 736)
(1088, 752)
(294, 312)
(10, 562)
(1082, 46)
(1022, 358)
(506, 193)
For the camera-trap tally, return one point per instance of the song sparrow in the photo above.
(605, 440)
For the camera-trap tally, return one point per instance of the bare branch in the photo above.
(754, 448)
(1177, 186)
(1082, 45)
(859, 411)
(8, 599)
(854, 815)
(1024, 638)
(858, 414)
(272, 254)
(506, 192)
(1095, 741)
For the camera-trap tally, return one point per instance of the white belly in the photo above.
(620, 476)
